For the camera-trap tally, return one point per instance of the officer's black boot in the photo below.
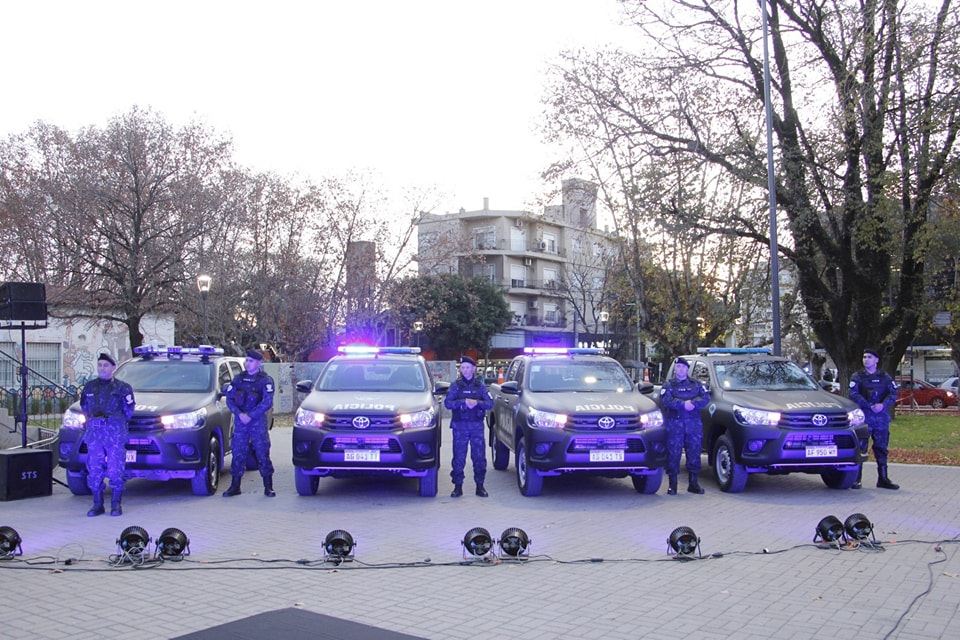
(858, 484)
(115, 508)
(883, 482)
(97, 508)
(267, 487)
(457, 491)
(694, 487)
(672, 489)
(234, 488)
(481, 491)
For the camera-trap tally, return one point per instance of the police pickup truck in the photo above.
(372, 411)
(181, 427)
(575, 411)
(766, 415)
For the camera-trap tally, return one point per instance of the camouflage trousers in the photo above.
(106, 455)
(684, 436)
(250, 436)
(468, 434)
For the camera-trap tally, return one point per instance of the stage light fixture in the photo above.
(858, 527)
(10, 542)
(173, 544)
(829, 529)
(477, 542)
(514, 542)
(683, 541)
(338, 545)
(133, 542)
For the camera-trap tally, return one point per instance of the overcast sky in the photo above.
(420, 92)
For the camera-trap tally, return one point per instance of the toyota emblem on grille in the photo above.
(361, 422)
(606, 422)
(819, 420)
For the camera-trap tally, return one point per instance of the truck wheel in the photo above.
(428, 483)
(77, 482)
(528, 479)
(501, 455)
(206, 480)
(648, 484)
(731, 476)
(306, 485)
(836, 479)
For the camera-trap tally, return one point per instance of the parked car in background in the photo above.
(921, 392)
(950, 384)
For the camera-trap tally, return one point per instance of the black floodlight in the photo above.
(133, 541)
(477, 542)
(858, 527)
(683, 541)
(830, 530)
(514, 542)
(173, 544)
(338, 545)
(10, 542)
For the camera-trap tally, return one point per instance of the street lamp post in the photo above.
(203, 284)
(604, 317)
(417, 330)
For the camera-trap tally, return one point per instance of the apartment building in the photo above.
(551, 266)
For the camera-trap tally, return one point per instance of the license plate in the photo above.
(606, 455)
(361, 455)
(827, 451)
(131, 455)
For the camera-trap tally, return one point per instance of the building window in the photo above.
(485, 238)
(518, 275)
(550, 239)
(550, 278)
(43, 359)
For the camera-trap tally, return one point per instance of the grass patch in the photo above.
(925, 439)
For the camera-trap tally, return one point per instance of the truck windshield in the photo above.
(579, 376)
(347, 375)
(167, 376)
(776, 375)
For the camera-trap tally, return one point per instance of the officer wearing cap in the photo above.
(682, 399)
(250, 398)
(469, 400)
(107, 404)
(875, 391)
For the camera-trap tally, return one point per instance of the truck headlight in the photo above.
(755, 417)
(311, 419)
(187, 420)
(72, 420)
(856, 417)
(546, 420)
(651, 420)
(417, 420)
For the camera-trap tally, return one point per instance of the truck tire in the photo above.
(206, 480)
(730, 475)
(528, 479)
(501, 454)
(428, 483)
(648, 484)
(306, 485)
(77, 482)
(836, 479)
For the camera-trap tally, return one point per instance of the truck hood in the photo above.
(170, 403)
(802, 400)
(380, 402)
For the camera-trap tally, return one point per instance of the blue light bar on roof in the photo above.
(562, 351)
(732, 351)
(177, 351)
(364, 349)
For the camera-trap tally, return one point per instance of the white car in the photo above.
(950, 383)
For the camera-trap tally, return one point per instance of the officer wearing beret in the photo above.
(682, 399)
(469, 400)
(107, 404)
(874, 390)
(250, 398)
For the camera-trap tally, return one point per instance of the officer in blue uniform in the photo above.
(875, 392)
(682, 399)
(107, 405)
(250, 398)
(469, 400)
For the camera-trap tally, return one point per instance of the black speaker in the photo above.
(23, 301)
(25, 473)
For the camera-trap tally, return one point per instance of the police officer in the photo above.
(875, 392)
(469, 400)
(107, 405)
(682, 398)
(250, 397)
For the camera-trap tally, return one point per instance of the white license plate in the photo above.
(131, 455)
(606, 455)
(361, 455)
(828, 451)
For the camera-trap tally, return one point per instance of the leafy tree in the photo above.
(864, 103)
